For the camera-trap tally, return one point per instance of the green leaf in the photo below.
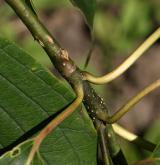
(156, 152)
(88, 7)
(149, 161)
(19, 154)
(152, 134)
(29, 94)
(154, 159)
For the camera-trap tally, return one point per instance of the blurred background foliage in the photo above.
(119, 27)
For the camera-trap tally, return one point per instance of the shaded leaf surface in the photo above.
(18, 155)
(29, 94)
(88, 7)
(156, 153)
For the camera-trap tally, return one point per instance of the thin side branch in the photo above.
(54, 123)
(124, 109)
(104, 144)
(129, 136)
(89, 54)
(124, 133)
(126, 64)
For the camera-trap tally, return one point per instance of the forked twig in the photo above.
(54, 123)
(59, 58)
(126, 64)
(127, 106)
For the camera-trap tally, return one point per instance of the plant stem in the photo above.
(126, 64)
(104, 148)
(89, 54)
(124, 109)
(55, 122)
(58, 56)
(95, 105)
(122, 132)
(113, 145)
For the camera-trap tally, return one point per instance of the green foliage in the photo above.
(88, 8)
(117, 26)
(129, 148)
(19, 154)
(120, 24)
(156, 152)
(29, 95)
(152, 134)
(155, 156)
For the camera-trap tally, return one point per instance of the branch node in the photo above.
(64, 54)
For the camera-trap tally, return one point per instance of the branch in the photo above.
(58, 56)
(122, 132)
(124, 109)
(54, 123)
(104, 146)
(126, 64)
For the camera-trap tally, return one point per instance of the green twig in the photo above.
(124, 109)
(89, 54)
(127, 106)
(114, 147)
(126, 64)
(58, 56)
(55, 122)
(122, 132)
(106, 158)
